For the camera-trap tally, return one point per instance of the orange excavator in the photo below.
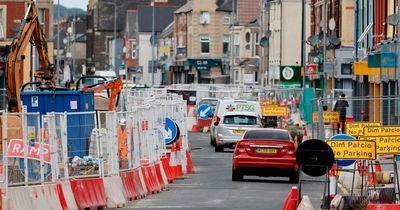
(115, 86)
(29, 32)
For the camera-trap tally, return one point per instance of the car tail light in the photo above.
(289, 151)
(218, 119)
(242, 147)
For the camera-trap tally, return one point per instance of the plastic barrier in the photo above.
(140, 181)
(150, 178)
(159, 176)
(305, 204)
(131, 188)
(19, 198)
(383, 206)
(66, 196)
(114, 192)
(167, 168)
(89, 193)
(291, 200)
(45, 197)
(163, 174)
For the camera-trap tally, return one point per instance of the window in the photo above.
(42, 17)
(2, 23)
(240, 120)
(204, 18)
(205, 43)
(225, 44)
(133, 50)
(180, 42)
(236, 75)
(346, 69)
(267, 135)
(236, 42)
(227, 18)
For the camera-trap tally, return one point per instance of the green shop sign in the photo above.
(290, 75)
(204, 64)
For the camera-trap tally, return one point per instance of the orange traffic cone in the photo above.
(172, 161)
(372, 179)
(189, 166)
(179, 170)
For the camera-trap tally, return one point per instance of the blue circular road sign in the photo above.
(344, 137)
(171, 130)
(204, 111)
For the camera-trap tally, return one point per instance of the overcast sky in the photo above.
(73, 3)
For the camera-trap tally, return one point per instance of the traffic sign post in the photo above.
(204, 111)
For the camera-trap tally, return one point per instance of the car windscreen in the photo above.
(240, 120)
(267, 134)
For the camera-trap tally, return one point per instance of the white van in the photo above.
(231, 105)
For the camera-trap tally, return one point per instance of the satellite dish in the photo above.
(264, 42)
(392, 19)
(334, 40)
(268, 33)
(313, 40)
(332, 24)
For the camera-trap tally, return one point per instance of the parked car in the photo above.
(231, 128)
(265, 152)
(211, 102)
(231, 105)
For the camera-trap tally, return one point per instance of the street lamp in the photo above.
(115, 33)
(153, 40)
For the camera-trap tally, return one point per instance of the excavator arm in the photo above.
(29, 32)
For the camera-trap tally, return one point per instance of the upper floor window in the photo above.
(204, 18)
(227, 18)
(134, 56)
(225, 44)
(205, 43)
(2, 23)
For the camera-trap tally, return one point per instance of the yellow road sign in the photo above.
(382, 131)
(329, 117)
(385, 144)
(274, 110)
(353, 149)
(357, 128)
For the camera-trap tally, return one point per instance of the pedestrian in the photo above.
(12, 105)
(341, 107)
(122, 143)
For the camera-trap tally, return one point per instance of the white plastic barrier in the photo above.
(19, 198)
(114, 192)
(45, 197)
(305, 204)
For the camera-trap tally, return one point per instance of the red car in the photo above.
(265, 152)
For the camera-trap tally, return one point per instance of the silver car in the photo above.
(232, 127)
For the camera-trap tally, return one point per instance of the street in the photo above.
(211, 186)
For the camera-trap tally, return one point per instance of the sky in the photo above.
(73, 3)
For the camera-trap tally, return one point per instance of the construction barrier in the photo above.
(94, 159)
(305, 203)
(115, 191)
(130, 185)
(66, 195)
(89, 193)
(291, 200)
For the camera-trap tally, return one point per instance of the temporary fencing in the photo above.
(94, 159)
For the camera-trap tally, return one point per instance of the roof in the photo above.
(188, 7)
(168, 31)
(163, 16)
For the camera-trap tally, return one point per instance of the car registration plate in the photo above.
(266, 150)
(237, 131)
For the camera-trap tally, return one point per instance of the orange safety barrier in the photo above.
(150, 177)
(89, 193)
(169, 172)
(379, 206)
(160, 180)
(138, 183)
(61, 196)
(179, 169)
(131, 189)
(189, 166)
(291, 199)
(204, 123)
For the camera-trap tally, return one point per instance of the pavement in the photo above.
(211, 186)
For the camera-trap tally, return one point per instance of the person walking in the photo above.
(341, 107)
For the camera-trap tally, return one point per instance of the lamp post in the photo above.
(58, 43)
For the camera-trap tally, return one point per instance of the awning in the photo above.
(203, 64)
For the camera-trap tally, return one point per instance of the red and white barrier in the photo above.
(114, 192)
(89, 193)
(131, 188)
(45, 197)
(19, 198)
(66, 196)
(159, 176)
